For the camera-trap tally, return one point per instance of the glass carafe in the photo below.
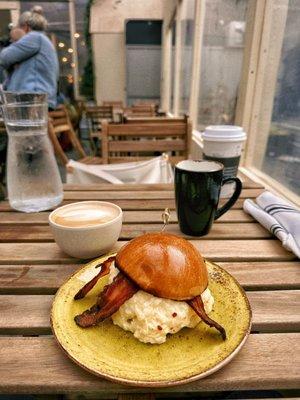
(33, 179)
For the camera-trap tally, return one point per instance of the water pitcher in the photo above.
(33, 179)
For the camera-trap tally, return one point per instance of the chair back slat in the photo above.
(153, 120)
(141, 110)
(143, 146)
(114, 104)
(59, 113)
(99, 112)
(150, 130)
(59, 121)
(61, 128)
(118, 160)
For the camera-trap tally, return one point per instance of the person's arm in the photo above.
(20, 51)
(16, 34)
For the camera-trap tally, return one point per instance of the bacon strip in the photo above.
(109, 301)
(105, 268)
(197, 305)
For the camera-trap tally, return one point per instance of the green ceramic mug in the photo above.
(197, 190)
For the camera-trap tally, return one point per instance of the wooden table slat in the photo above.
(46, 279)
(133, 187)
(216, 250)
(273, 311)
(38, 233)
(144, 195)
(134, 204)
(37, 365)
(247, 184)
(129, 217)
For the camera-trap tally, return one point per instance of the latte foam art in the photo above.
(78, 216)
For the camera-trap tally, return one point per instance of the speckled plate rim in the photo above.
(157, 384)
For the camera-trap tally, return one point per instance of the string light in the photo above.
(70, 50)
(61, 45)
(70, 78)
(73, 65)
(64, 59)
(76, 35)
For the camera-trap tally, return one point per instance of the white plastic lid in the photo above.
(226, 133)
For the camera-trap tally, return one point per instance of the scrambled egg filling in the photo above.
(152, 318)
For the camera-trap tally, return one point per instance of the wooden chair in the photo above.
(60, 124)
(134, 142)
(95, 116)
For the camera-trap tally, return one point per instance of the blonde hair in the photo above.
(34, 19)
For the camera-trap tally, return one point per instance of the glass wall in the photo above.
(221, 61)
(281, 159)
(187, 34)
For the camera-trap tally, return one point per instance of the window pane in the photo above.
(282, 154)
(222, 56)
(143, 60)
(187, 32)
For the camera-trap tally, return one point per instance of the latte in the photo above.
(85, 215)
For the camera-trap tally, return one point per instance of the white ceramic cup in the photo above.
(87, 242)
(224, 143)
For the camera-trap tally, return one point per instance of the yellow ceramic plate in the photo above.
(112, 353)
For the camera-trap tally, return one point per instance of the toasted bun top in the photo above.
(164, 265)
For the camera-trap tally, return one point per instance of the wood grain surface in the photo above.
(38, 233)
(130, 204)
(29, 314)
(46, 279)
(216, 250)
(32, 268)
(129, 217)
(37, 365)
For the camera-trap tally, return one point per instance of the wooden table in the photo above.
(33, 267)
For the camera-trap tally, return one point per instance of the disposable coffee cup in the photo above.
(224, 143)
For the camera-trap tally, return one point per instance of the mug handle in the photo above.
(233, 198)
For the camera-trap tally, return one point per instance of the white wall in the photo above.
(107, 28)
(109, 66)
